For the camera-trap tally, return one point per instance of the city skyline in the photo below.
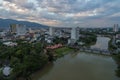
(63, 13)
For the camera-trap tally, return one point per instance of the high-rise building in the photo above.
(115, 28)
(30, 30)
(51, 31)
(13, 28)
(18, 29)
(78, 32)
(75, 33)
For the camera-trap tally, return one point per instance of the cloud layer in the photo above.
(63, 13)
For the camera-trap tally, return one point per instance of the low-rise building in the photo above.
(10, 43)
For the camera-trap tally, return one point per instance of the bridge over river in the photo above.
(101, 47)
(93, 50)
(96, 50)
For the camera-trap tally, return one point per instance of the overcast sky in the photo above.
(63, 13)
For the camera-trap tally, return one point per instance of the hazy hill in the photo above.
(4, 23)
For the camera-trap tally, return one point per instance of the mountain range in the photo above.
(4, 23)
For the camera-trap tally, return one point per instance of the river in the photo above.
(81, 66)
(102, 43)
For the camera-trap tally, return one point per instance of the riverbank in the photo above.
(115, 56)
(111, 45)
(117, 60)
(57, 53)
(23, 59)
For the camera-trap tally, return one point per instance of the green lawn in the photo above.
(62, 51)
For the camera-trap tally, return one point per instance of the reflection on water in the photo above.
(80, 67)
(102, 43)
(42, 72)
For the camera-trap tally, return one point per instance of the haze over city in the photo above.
(63, 13)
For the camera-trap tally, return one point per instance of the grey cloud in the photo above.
(12, 14)
(62, 7)
(7, 14)
(28, 5)
(72, 6)
(9, 0)
(115, 19)
(75, 6)
(23, 4)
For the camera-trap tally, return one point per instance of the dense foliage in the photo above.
(23, 59)
(117, 59)
(61, 40)
(111, 46)
(88, 38)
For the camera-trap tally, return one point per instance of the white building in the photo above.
(10, 43)
(115, 28)
(51, 31)
(21, 30)
(75, 33)
(2, 34)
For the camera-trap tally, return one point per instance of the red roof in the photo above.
(54, 46)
